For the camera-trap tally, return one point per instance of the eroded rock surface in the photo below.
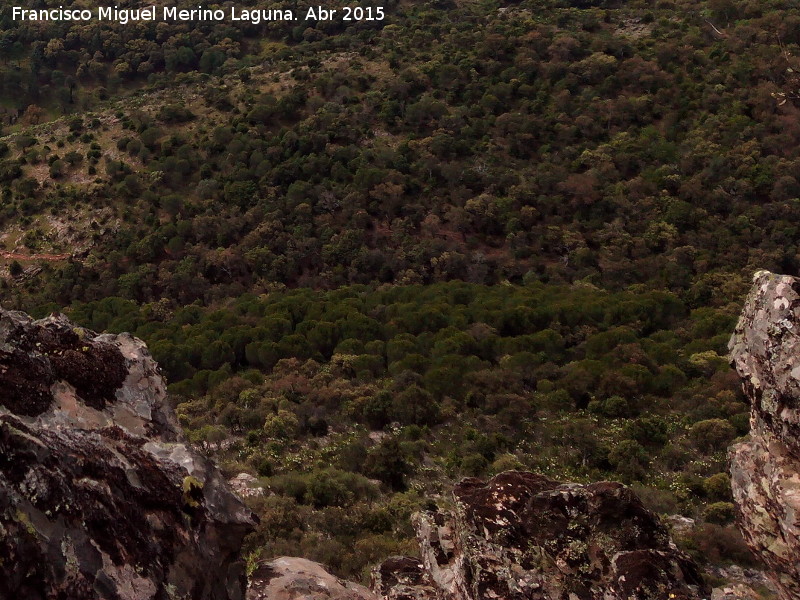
(98, 496)
(523, 536)
(403, 578)
(765, 471)
(289, 578)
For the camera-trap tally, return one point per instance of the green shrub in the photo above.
(720, 513)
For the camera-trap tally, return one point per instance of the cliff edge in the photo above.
(765, 470)
(99, 497)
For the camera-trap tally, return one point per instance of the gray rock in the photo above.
(402, 578)
(679, 524)
(735, 575)
(99, 496)
(765, 471)
(288, 578)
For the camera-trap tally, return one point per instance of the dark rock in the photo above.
(402, 578)
(99, 498)
(765, 470)
(523, 536)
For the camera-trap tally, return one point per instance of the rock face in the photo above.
(403, 578)
(765, 471)
(289, 578)
(98, 496)
(523, 536)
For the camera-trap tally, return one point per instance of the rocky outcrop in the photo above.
(518, 536)
(288, 578)
(765, 471)
(403, 578)
(99, 497)
(522, 536)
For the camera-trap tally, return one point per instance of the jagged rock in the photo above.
(765, 471)
(288, 578)
(739, 580)
(99, 498)
(402, 578)
(523, 536)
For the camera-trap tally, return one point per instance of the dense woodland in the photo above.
(373, 258)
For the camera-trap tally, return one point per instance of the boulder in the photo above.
(678, 524)
(289, 578)
(765, 470)
(523, 536)
(99, 496)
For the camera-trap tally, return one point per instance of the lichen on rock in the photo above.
(765, 470)
(522, 535)
(99, 496)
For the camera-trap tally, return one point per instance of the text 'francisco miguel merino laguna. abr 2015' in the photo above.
(172, 13)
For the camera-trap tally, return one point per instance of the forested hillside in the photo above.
(375, 257)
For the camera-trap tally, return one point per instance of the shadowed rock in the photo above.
(765, 471)
(402, 578)
(98, 496)
(522, 536)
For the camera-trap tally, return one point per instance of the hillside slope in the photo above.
(614, 144)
